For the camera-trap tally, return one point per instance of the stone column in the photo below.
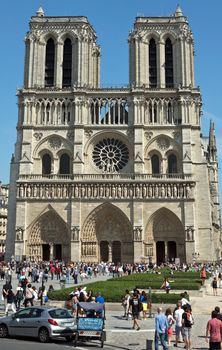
(166, 250)
(51, 250)
(110, 247)
(59, 68)
(161, 64)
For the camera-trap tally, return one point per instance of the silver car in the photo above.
(40, 322)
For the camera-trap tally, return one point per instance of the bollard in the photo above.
(149, 344)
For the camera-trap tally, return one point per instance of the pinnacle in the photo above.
(178, 12)
(40, 12)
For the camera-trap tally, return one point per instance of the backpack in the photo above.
(190, 319)
(20, 294)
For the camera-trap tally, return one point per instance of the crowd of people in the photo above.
(136, 304)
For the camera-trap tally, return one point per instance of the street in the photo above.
(119, 336)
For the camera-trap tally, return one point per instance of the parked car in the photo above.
(41, 322)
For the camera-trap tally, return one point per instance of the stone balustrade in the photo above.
(118, 190)
(106, 176)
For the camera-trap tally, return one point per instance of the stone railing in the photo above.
(115, 190)
(103, 177)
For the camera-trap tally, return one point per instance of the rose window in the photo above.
(110, 155)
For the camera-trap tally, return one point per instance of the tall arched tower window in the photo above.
(64, 165)
(46, 164)
(152, 64)
(172, 164)
(49, 62)
(169, 63)
(67, 63)
(155, 162)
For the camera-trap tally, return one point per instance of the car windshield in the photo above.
(60, 313)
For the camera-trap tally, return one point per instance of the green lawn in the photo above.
(113, 289)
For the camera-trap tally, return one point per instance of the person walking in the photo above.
(19, 296)
(5, 289)
(170, 321)
(136, 306)
(125, 304)
(187, 322)
(213, 332)
(178, 318)
(10, 302)
(203, 275)
(214, 286)
(161, 329)
(29, 295)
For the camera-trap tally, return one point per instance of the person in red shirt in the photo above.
(203, 275)
(213, 332)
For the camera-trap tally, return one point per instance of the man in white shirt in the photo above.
(178, 317)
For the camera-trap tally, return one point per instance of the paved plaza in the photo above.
(119, 332)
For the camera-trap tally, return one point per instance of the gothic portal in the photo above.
(113, 174)
(49, 238)
(107, 240)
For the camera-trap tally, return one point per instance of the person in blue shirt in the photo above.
(161, 328)
(99, 298)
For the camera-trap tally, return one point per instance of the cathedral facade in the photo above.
(112, 174)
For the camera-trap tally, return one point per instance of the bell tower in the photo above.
(61, 52)
(161, 52)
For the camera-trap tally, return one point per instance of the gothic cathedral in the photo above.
(112, 174)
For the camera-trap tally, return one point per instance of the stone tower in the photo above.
(112, 174)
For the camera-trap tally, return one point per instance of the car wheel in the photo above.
(3, 331)
(44, 335)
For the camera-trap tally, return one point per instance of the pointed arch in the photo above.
(169, 63)
(49, 62)
(165, 234)
(48, 230)
(152, 63)
(109, 224)
(67, 63)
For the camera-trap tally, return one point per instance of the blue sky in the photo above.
(112, 20)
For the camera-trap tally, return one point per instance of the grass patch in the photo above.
(113, 289)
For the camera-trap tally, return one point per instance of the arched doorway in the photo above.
(116, 252)
(48, 238)
(172, 251)
(160, 252)
(165, 233)
(104, 251)
(109, 231)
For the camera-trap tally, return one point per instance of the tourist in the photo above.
(214, 286)
(29, 295)
(144, 301)
(10, 302)
(161, 329)
(213, 332)
(170, 321)
(99, 298)
(166, 285)
(19, 296)
(178, 318)
(203, 275)
(219, 315)
(125, 303)
(5, 290)
(187, 322)
(136, 307)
